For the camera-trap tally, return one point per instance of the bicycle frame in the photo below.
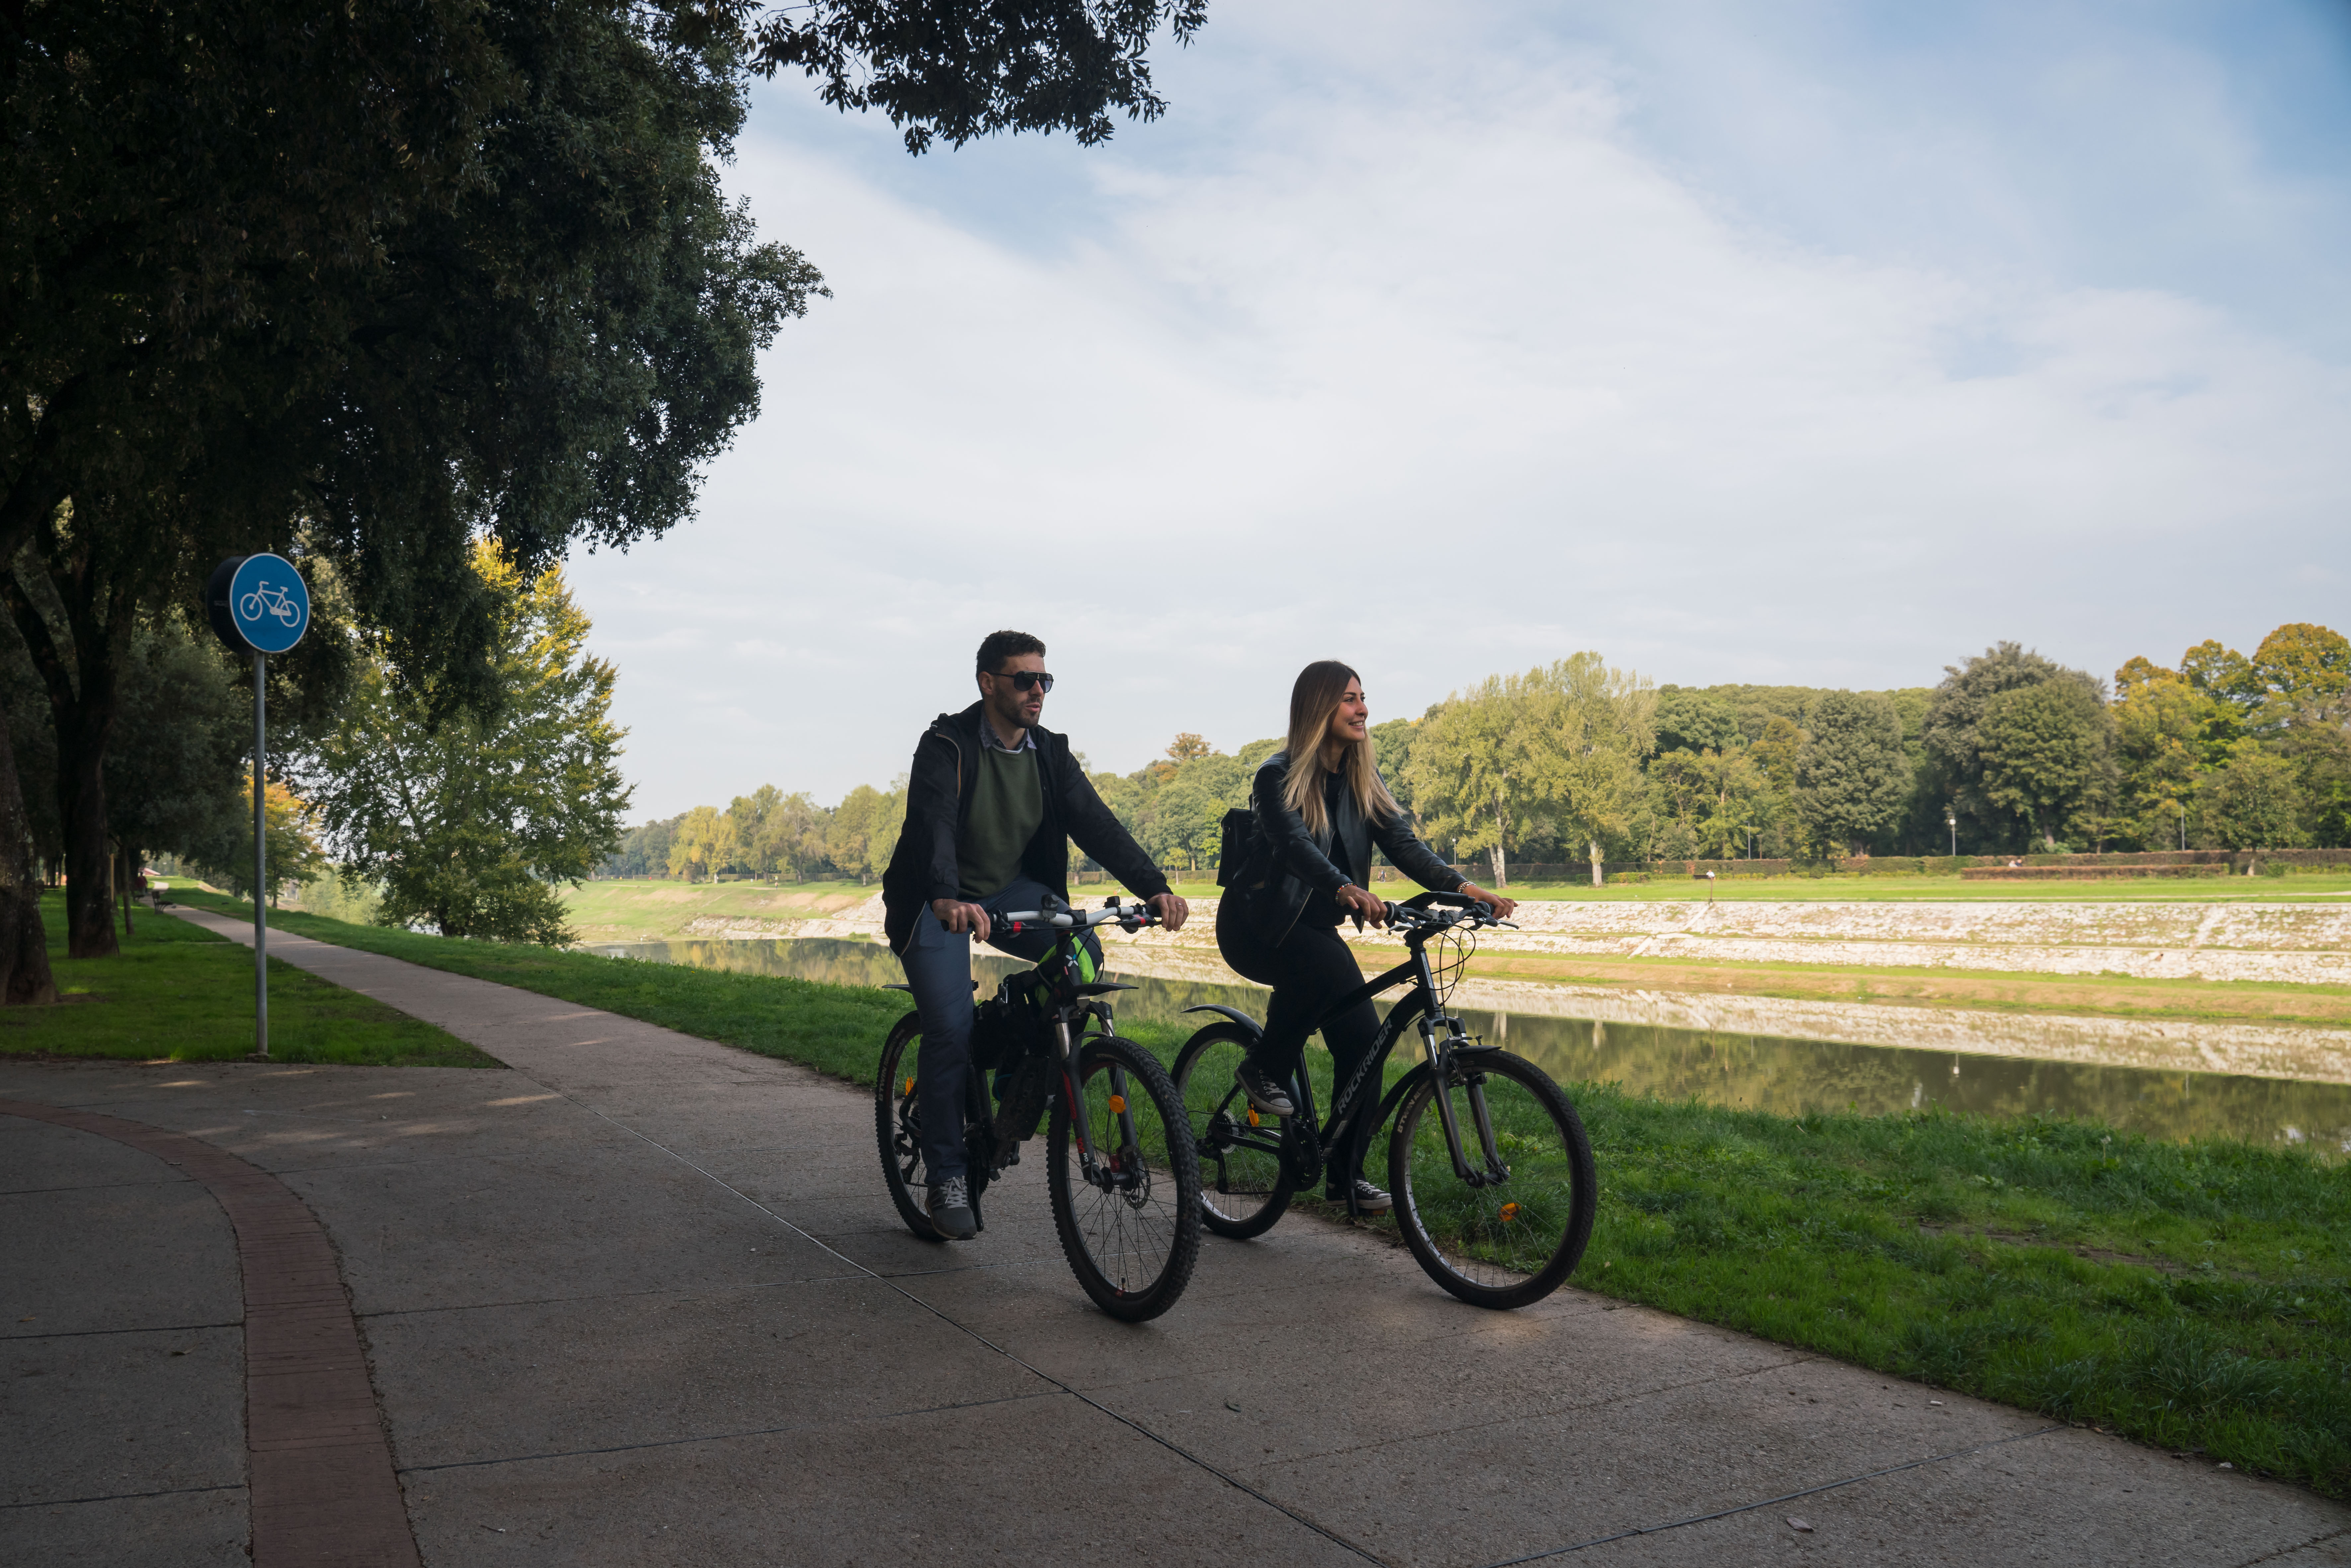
(1071, 1002)
(1443, 1042)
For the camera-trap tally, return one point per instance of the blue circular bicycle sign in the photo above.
(259, 603)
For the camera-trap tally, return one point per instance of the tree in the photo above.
(702, 845)
(296, 857)
(1187, 746)
(1182, 823)
(1852, 779)
(468, 822)
(962, 69)
(791, 836)
(1696, 721)
(1608, 720)
(1950, 736)
(2040, 750)
(367, 285)
(178, 774)
(2252, 803)
(2160, 722)
(1485, 764)
(2304, 674)
(1716, 799)
(864, 829)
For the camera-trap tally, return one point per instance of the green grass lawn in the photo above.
(2196, 1296)
(178, 993)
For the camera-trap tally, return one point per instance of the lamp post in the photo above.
(1951, 820)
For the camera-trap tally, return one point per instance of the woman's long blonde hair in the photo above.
(1312, 702)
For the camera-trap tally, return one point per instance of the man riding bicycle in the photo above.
(993, 803)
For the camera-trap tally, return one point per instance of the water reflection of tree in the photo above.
(1758, 1071)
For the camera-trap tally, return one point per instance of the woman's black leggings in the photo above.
(1307, 970)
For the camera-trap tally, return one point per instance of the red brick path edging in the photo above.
(322, 1489)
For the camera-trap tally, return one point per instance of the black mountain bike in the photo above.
(1125, 1179)
(1488, 1163)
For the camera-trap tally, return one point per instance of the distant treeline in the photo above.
(1579, 762)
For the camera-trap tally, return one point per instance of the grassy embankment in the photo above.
(648, 912)
(178, 993)
(2196, 1296)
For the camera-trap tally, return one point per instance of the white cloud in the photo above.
(1441, 385)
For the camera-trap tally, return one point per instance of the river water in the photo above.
(1760, 1071)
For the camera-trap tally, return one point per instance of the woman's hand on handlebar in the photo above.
(1355, 900)
(1503, 908)
(1170, 909)
(959, 917)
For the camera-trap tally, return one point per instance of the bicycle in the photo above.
(276, 601)
(1490, 1171)
(1128, 1214)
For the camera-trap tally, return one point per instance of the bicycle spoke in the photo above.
(1498, 1242)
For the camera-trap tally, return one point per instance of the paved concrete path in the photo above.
(640, 1298)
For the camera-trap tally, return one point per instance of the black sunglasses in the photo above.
(1023, 679)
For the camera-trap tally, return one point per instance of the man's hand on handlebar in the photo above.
(1172, 911)
(1502, 907)
(959, 917)
(1355, 900)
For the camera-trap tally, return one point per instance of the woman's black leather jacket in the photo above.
(1287, 864)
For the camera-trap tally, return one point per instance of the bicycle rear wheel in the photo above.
(898, 1126)
(1131, 1231)
(1244, 1182)
(1502, 1243)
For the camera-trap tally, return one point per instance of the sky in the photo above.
(1818, 344)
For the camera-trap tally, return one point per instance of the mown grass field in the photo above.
(648, 911)
(2196, 1296)
(1844, 889)
(178, 993)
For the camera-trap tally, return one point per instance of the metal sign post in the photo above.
(259, 605)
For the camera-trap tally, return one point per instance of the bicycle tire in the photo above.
(897, 1126)
(1132, 1248)
(1512, 1243)
(1244, 1190)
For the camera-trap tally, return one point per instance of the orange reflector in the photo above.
(909, 1089)
(1118, 1105)
(1510, 1212)
(1253, 1116)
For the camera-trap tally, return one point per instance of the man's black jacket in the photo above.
(1287, 865)
(939, 789)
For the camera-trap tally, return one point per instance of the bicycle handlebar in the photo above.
(1415, 913)
(1129, 917)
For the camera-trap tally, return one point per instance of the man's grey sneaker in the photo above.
(949, 1205)
(1369, 1199)
(1264, 1093)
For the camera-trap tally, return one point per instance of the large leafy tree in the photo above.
(370, 281)
(2253, 802)
(469, 815)
(2042, 750)
(1951, 731)
(1852, 777)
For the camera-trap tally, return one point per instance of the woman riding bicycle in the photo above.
(1319, 808)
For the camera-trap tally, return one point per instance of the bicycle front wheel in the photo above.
(898, 1126)
(1245, 1181)
(1502, 1242)
(1131, 1226)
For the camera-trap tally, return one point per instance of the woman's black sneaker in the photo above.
(1369, 1199)
(1263, 1093)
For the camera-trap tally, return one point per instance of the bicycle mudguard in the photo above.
(1234, 1014)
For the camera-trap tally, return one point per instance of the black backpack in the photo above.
(1240, 829)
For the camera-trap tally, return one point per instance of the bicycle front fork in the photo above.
(1443, 1064)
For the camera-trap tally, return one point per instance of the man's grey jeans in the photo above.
(938, 971)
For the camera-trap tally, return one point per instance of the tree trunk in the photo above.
(130, 884)
(1502, 869)
(1594, 844)
(24, 975)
